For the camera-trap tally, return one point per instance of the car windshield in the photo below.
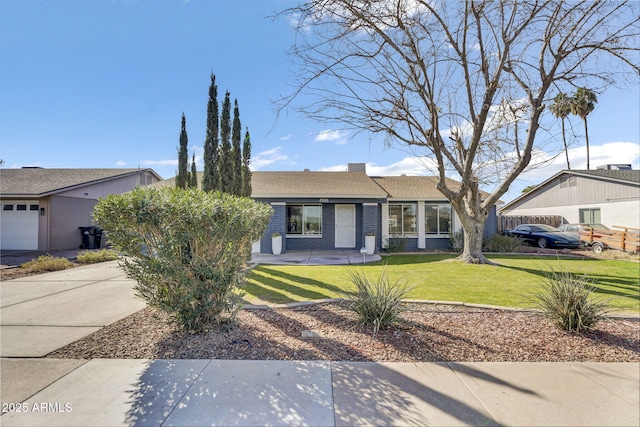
(604, 227)
(543, 227)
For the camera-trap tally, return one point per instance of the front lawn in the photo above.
(436, 277)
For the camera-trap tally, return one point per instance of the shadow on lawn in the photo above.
(606, 285)
(275, 286)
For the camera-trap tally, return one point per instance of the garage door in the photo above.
(19, 226)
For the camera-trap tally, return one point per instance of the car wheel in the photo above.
(542, 242)
(597, 248)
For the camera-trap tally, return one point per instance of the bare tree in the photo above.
(456, 79)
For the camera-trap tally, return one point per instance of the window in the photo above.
(569, 181)
(33, 207)
(7, 207)
(437, 218)
(590, 216)
(21, 207)
(402, 218)
(304, 220)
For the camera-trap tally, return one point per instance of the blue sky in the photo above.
(103, 84)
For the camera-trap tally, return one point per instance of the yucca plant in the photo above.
(377, 302)
(567, 300)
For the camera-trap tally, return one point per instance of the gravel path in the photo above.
(330, 332)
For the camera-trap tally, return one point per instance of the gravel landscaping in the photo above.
(328, 331)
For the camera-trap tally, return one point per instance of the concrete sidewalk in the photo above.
(43, 313)
(106, 392)
(316, 257)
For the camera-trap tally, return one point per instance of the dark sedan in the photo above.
(544, 236)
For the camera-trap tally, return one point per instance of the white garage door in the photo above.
(19, 225)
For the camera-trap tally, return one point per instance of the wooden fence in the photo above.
(509, 222)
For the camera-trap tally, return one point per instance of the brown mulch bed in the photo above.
(426, 333)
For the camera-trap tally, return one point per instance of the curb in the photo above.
(293, 305)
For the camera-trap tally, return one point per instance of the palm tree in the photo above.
(561, 108)
(584, 102)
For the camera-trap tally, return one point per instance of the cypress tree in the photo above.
(211, 175)
(236, 154)
(182, 177)
(246, 160)
(225, 164)
(193, 176)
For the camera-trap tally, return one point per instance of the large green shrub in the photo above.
(377, 302)
(186, 248)
(567, 300)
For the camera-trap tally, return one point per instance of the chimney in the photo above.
(357, 167)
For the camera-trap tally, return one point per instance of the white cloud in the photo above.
(268, 157)
(337, 136)
(121, 163)
(420, 165)
(173, 162)
(547, 165)
(286, 137)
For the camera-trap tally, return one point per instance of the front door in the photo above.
(345, 226)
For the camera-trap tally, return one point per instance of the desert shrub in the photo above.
(396, 243)
(95, 256)
(187, 249)
(567, 300)
(502, 243)
(377, 302)
(46, 263)
(456, 241)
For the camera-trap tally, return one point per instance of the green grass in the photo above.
(437, 277)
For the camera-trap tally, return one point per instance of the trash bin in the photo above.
(98, 238)
(91, 237)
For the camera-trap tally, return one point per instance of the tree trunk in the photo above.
(566, 149)
(586, 135)
(473, 227)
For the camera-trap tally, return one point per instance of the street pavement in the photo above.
(45, 312)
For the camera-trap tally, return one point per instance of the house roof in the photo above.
(625, 176)
(611, 175)
(43, 182)
(413, 187)
(315, 184)
(308, 184)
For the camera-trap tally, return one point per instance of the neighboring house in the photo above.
(335, 210)
(43, 208)
(604, 196)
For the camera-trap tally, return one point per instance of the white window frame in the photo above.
(304, 233)
(439, 205)
(402, 205)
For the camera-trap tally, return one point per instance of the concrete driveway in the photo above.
(43, 313)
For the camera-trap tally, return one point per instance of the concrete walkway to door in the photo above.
(315, 257)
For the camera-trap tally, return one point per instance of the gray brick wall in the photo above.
(277, 224)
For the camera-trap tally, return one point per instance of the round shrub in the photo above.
(186, 248)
